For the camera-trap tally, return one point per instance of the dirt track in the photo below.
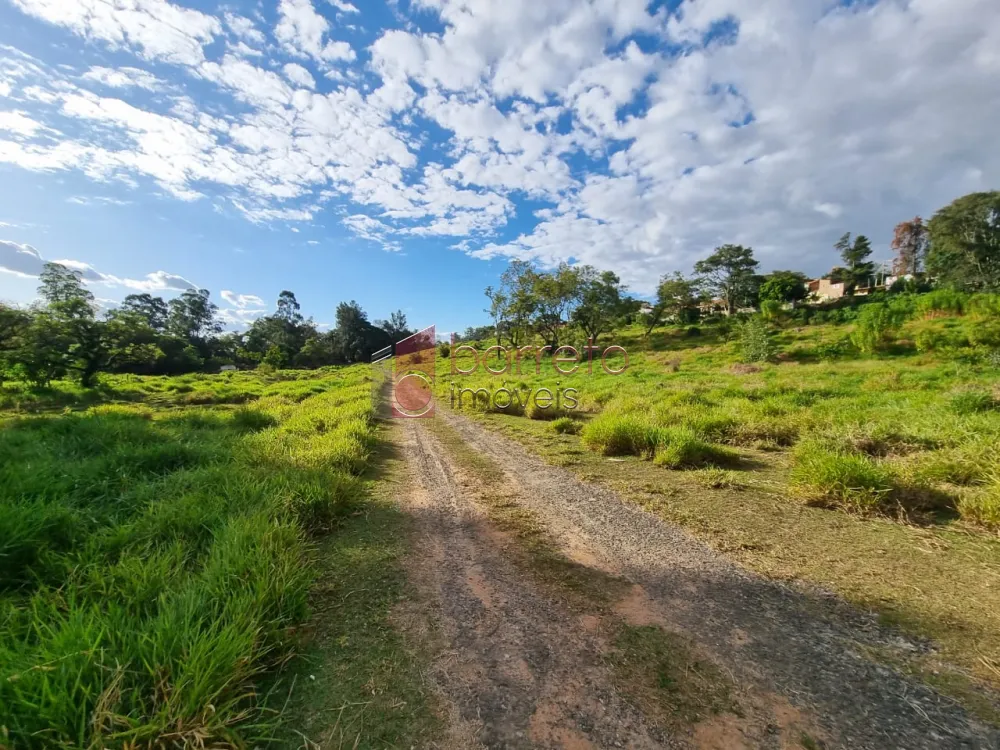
(519, 667)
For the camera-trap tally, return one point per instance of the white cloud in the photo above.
(27, 262)
(19, 123)
(244, 28)
(297, 74)
(302, 31)
(343, 6)
(20, 260)
(242, 301)
(159, 29)
(124, 77)
(779, 124)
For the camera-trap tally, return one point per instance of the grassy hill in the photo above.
(874, 475)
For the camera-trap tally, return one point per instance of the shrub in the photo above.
(567, 426)
(972, 401)
(247, 419)
(549, 413)
(941, 302)
(692, 332)
(718, 479)
(770, 309)
(940, 341)
(874, 325)
(681, 448)
(839, 479)
(614, 434)
(444, 350)
(755, 341)
(982, 505)
(986, 335)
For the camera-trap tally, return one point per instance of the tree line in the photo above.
(63, 336)
(958, 248)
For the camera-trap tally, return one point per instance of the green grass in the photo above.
(832, 449)
(157, 556)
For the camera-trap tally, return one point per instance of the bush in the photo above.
(755, 341)
(982, 505)
(771, 309)
(985, 335)
(972, 401)
(940, 341)
(839, 479)
(692, 332)
(567, 426)
(875, 323)
(614, 434)
(941, 302)
(681, 448)
(444, 350)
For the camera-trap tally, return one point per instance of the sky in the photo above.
(401, 152)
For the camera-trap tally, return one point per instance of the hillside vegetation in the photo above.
(784, 443)
(156, 555)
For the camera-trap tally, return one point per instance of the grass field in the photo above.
(875, 476)
(157, 554)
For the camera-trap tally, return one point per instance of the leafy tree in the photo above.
(517, 282)
(395, 327)
(192, 316)
(909, 242)
(784, 286)
(602, 303)
(554, 294)
(855, 255)
(965, 243)
(497, 311)
(357, 339)
(288, 309)
(274, 358)
(152, 310)
(69, 318)
(13, 323)
(729, 274)
(676, 299)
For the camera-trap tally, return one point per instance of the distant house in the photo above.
(227, 368)
(645, 308)
(824, 289)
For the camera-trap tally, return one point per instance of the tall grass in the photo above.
(154, 562)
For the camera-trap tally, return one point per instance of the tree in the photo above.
(288, 309)
(601, 304)
(13, 323)
(69, 319)
(855, 255)
(517, 282)
(909, 242)
(497, 311)
(153, 310)
(356, 338)
(555, 295)
(676, 298)
(965, 243)
(395, 327)
(192, 316)
(784, 286)
(729, 274)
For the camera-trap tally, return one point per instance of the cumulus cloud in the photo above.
(156, 29)
(586, 130)
(124, 77)
(25, 261)
(243, 301)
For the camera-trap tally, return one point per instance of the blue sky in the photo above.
(401, 152)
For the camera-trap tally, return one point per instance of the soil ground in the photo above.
(560, 616)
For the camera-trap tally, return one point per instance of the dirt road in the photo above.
(520, 665)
